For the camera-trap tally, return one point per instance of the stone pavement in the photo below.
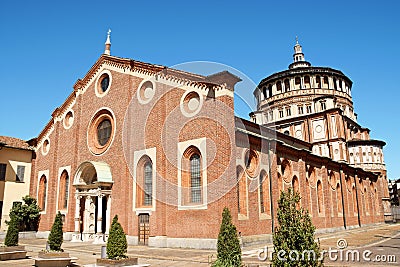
(87, 253)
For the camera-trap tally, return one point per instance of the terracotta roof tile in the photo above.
(13, 142)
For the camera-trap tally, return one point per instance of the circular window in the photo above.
(191, 104)
(104, 132)
(103, 83)
(46, 147)
(68, 119)
(146, 92)
(101, 131)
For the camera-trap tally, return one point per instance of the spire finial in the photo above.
(107, 50)
(298, 57)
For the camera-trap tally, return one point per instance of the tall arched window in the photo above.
(317, 81)
(339, 199)
(144, 182)
(320, 197)
(195, 178)
(148, 183)
(42, 192)
(307, 82)
(295, 184)
(366, 201)
(263, 185)
(63, 190)
(287, 85)
(279, 86)
(241, 191)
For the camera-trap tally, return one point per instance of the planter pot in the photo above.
(52, 254)
(12, 253)
(53, 259)
(115, 263)
(13, 248)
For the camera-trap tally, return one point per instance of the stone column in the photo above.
(86, 215)
(76, 235)
(99, 213)
(108, 214)
(77, 209)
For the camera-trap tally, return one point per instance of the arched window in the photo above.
(279, 86)
(297, 83)
(280, 183)
(287, 85)
(144, 182)
(269, 90)
(241, 191)
(339, 199)
(325, 82)
(307, 82)
(148, 183)
(63, 191)
(320, 197)
(335, 83)
(263, 185)
(354, 199)
(42, 192)
(195, 178)
(366, 201)
(295, 184)
(317, 81)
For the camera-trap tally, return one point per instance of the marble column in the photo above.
(76, 236)
(99, 213)
(86, 215)
(108, 214)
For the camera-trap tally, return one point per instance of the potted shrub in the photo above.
(55, 240)
(54, 256)
(12, 251)
(117, 247)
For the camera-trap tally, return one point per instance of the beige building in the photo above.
(15, 172)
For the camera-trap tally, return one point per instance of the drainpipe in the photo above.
(341, 191)
(270, 189)
(358, 208)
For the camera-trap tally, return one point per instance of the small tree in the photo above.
(228, 246)
(12, 234)
(294, 241)
(26, 214)
(116, 243)
(56, 239)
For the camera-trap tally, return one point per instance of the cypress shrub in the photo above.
(12, 234)
(294, 239)
(55, 239)
(228, 245)
(116, 244)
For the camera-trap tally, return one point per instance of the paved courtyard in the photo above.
(382, 240)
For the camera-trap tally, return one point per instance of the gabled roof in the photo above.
(221, 80)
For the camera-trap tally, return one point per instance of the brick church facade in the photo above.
(163, 149)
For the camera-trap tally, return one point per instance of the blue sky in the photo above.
(47, 45)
